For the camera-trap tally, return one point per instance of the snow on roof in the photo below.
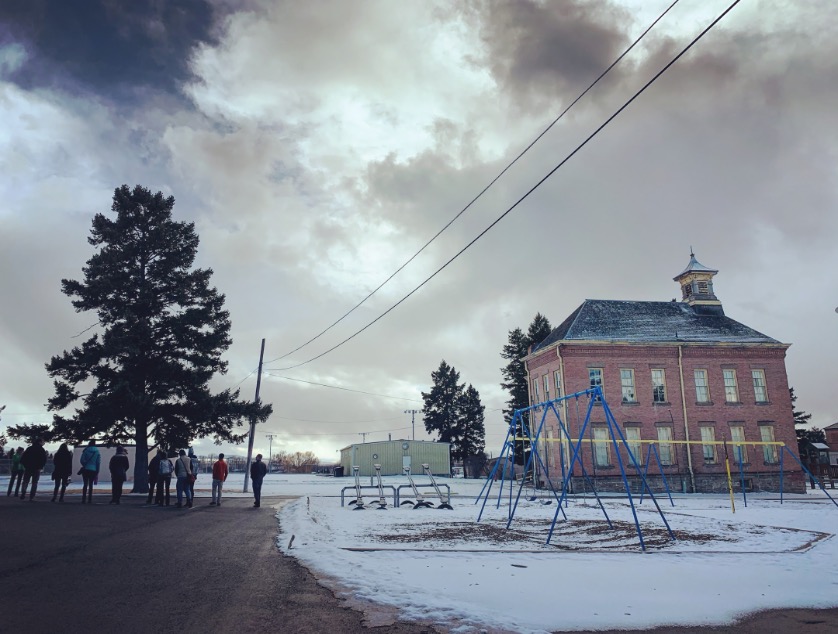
(634, 321)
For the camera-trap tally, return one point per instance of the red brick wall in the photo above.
(719, 414)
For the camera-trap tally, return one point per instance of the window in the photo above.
(708, 436)
(665, 446)
(633, 442)
(737, 435)
(702, 391)
(627, 385)
(595, 376)
(769, 452)
(557, 380)
(536, 396)
(546, 387)
(602, 453)
(760, 391)
(731, 388)
(658, 386)
(548, 449)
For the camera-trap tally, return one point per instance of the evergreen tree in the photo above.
(471, 441)
(456, 414)
(163, 331)
(515, 377)
(441, 410)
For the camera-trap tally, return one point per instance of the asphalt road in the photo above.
(130, 568)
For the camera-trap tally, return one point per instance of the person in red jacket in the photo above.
(219, 475)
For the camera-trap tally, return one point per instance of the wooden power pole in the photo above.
(253, 420)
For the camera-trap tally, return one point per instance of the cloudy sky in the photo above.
(318, 146)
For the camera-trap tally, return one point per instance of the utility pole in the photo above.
(363, 435)
(413, 413)
(270, 438)
(253, 420)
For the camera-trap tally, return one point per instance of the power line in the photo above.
(486, 188)
(345, 389)
(527, 194)
(338, 422)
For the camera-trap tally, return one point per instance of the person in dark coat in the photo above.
(258, 470)
(17, 472)
(118, 467)
(62, 463)
(153, 476)
(33, 460)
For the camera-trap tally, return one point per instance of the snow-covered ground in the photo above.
(442, 567)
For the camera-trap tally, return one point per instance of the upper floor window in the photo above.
(702, 390)
(658, 386)
(760, 389)
(546, 387)
(536, 395)
(731, 387)
(627, 386)
(595, 376)
(557, 380)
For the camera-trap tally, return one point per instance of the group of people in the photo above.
(27, 465)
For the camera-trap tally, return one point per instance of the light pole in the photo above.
(413, 413)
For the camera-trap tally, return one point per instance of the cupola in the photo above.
(696, 283)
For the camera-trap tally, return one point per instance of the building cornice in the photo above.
(569, 344)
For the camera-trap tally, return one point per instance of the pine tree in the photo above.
(471, 441)
(163, 331)
(441, 410)
(515, 377)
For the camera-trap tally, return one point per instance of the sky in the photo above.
(317, 147)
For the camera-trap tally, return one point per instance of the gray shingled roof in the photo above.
(639, 322)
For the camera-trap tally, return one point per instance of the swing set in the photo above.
(616, 438)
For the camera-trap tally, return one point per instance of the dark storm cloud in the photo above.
(551, 49)
(109, 47)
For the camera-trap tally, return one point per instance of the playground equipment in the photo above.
(420, 502)
(615, 436)
(444, 501)
(382, 502)
(358, 502)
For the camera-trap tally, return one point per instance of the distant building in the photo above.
(394, 455)
(670, 372)
(831, 432)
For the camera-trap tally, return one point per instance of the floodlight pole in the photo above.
(253, 420)
(270, 438)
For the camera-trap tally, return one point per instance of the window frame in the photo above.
(732, 386)
(736, 446)
(706, 386)
(634, 444)
(601, 383)
(662, 385)
(547, 387)
(557, 380)
(602, 450)
(708, 448)
(665, 446)
(757, 376)
(769, 452)
(631, 386)
(535, 396)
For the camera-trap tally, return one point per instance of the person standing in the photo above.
(164, 478)
(219, 476)
(33, 461)
(62, 463)
(183, 473)
(118, 467)
(258, 470)
(17, 472)
(194, 465)
(153, 475)
(91, 460)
